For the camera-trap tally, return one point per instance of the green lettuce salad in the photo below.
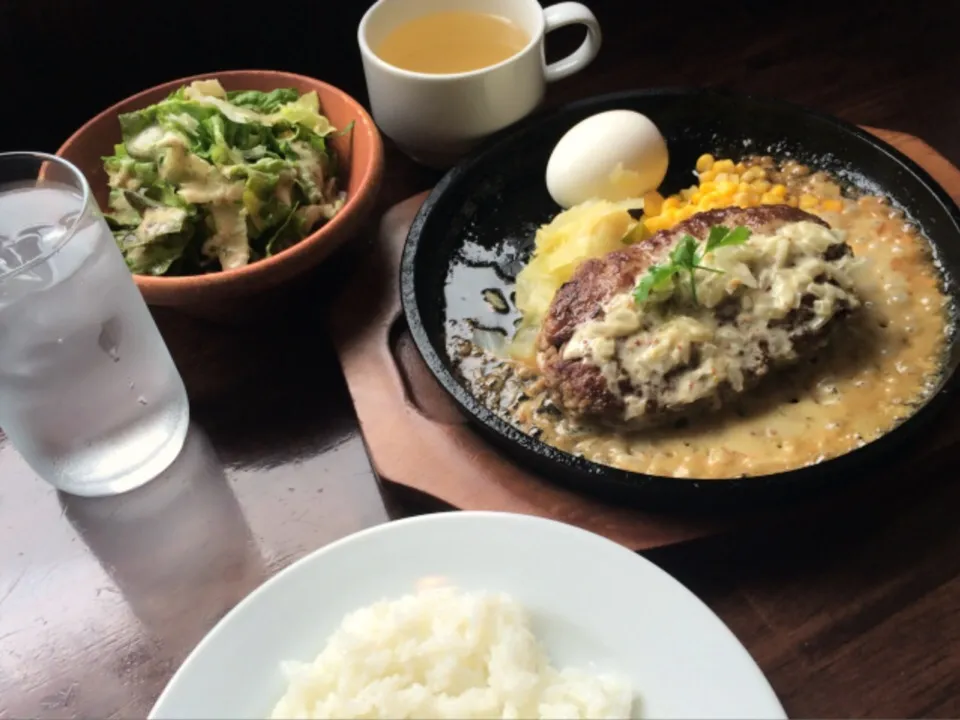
(210, 180)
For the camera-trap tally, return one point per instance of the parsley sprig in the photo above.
(685, 258)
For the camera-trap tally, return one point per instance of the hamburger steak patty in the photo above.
(624, 388)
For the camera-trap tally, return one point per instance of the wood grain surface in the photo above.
(854, 615)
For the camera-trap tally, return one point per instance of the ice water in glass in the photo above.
(89, 394)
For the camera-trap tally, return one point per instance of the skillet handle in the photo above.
(371, 335)
(424, 393)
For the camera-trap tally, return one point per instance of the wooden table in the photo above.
(101, 599)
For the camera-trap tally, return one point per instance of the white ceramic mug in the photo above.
(435, 119)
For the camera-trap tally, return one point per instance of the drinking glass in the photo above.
(89, 394)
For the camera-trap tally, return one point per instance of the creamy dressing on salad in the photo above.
(235, 176)
(229, 244)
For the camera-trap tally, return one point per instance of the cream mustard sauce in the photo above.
(674, 335)
(872, 375)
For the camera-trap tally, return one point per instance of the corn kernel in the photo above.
(760, 186)
(652, 203)
(769, 198)
(740, 168)
(779, 191)
(696, 197)
(791, 201)
(723, 165)
(808, 201)
(705, 162)
(742, 199)
(832, 205)
(709, 200)
(734, 177)
(712, 203)
(726, 187)
(754, 173)
(656, 224)
(707, 175)
(722, 177)
(671, 203)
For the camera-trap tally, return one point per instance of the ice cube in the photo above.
(25, 246)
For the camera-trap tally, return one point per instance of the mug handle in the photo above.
(572, 13)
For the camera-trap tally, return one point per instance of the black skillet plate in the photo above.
(476, 230)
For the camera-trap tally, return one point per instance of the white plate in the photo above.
(593, 602)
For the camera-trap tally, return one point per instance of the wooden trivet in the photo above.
(418, 438)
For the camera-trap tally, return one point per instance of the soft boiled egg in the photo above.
(613, 156)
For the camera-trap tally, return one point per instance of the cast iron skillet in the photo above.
(476, 229)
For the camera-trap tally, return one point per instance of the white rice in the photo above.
(444, 654)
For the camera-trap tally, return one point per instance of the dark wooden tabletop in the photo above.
(100, 600)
